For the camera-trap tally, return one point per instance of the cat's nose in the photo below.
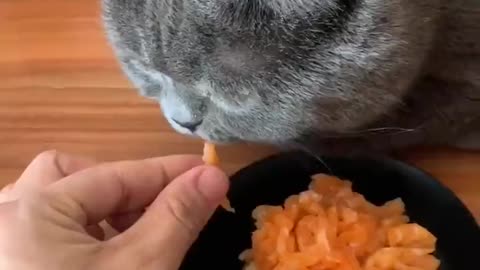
(192, 126)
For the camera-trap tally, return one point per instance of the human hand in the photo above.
(49, 218)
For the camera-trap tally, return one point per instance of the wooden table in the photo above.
(62, 89)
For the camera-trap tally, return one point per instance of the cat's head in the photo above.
(270, 71)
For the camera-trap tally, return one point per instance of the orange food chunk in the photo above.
(210, 157)
(412, 236)
(330, 227)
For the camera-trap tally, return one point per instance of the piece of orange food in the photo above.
(210, 157)
(330, 227)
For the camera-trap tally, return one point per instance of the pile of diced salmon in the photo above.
(330, 227)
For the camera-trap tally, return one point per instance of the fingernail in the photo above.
(213, 184)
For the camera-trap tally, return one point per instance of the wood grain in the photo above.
(61, 88)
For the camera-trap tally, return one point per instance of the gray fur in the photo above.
(324, 75)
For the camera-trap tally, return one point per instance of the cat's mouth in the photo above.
(214, 136)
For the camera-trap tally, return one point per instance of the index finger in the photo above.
(96, 193)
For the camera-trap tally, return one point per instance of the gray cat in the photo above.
(330, 76)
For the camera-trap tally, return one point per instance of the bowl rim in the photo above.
(396, 164)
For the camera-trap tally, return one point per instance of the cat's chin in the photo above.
(221, 141)
(217, 139)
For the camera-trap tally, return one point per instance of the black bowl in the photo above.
(272, 180)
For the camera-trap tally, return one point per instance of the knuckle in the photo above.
(46, 156)
(50, 205)
(51, 158)
(119, 176)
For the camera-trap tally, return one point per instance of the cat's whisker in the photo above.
(383, 129)
(317, 157)
(324, 163)
(373, 131)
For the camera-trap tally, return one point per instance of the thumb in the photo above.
(164, 234)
